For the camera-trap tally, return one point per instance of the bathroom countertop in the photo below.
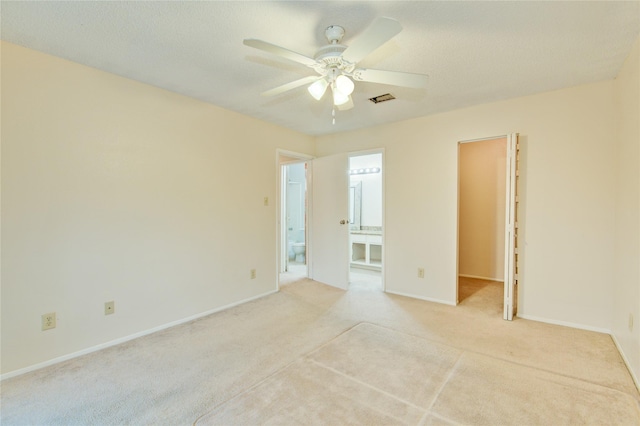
(365, 232)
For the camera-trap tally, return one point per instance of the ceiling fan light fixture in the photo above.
(339, 98)
(318, 88)
(336, 64)
(344, 85)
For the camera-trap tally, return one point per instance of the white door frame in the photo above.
(383, 174)
(295, 157)
(291, 158)
(511, 229)
(509, 295)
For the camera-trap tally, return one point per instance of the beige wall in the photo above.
(115, 190)
(567, 199)
(482, 174)
(626, 276)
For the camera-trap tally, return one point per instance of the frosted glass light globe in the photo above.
(344, 85)
(318, 88)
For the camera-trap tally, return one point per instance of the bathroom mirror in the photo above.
(355, 206)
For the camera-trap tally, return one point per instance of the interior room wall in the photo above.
(567, 182)
(116, 190)
(481, 222)
(626, 277)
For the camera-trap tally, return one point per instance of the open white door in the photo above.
(511, 231)
(329, 231)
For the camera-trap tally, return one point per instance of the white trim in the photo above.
(626, 362)
(489, 138)
(297, 157)
(369, 151)
(281, 230)
(508, 287)
(427, 299)
(308, 226)
(565, 323)
(480, 278)
(510, 240)
(127, 338)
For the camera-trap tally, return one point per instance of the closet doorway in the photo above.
(487, 243)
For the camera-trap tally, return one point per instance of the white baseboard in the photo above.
(626, 362)
(428, 299)
(565, 323)
(481, 278)
(127, 338)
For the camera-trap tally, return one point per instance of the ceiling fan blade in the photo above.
(347, 105)
(291, 85)
(280, 51)
(394, 78)
(377, 34)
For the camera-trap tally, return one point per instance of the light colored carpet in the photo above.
(371, 375)
(312, 354)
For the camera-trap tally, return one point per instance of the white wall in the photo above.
(567, 198)
(115, 190)
(626, 276)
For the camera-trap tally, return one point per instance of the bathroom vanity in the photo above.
(365, 211)
(366, 248)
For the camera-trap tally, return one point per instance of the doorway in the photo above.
(331, 249)
(482, 185)
(292, 218)
(366, 221)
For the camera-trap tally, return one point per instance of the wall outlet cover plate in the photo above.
(49, 321)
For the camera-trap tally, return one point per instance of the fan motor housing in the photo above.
(334, 33)
(330, 56)
(329, 51)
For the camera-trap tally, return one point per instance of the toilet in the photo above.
(299, 251)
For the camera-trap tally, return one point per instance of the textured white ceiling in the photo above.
(474, 52)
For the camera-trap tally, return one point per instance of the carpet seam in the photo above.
(353, 379)
(442, 386)
(264, 379)
(463, 350)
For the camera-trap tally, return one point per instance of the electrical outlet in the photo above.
(49, 321)
(253, 274)
(630, 322)
(109, 307)
(420, 272)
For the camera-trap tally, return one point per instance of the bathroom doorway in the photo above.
(293, 218)
(366, 213)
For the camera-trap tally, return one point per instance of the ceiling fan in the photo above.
(336, 64)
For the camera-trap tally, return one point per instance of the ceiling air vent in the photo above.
(382, 98)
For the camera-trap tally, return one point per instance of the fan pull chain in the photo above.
(333, 114)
